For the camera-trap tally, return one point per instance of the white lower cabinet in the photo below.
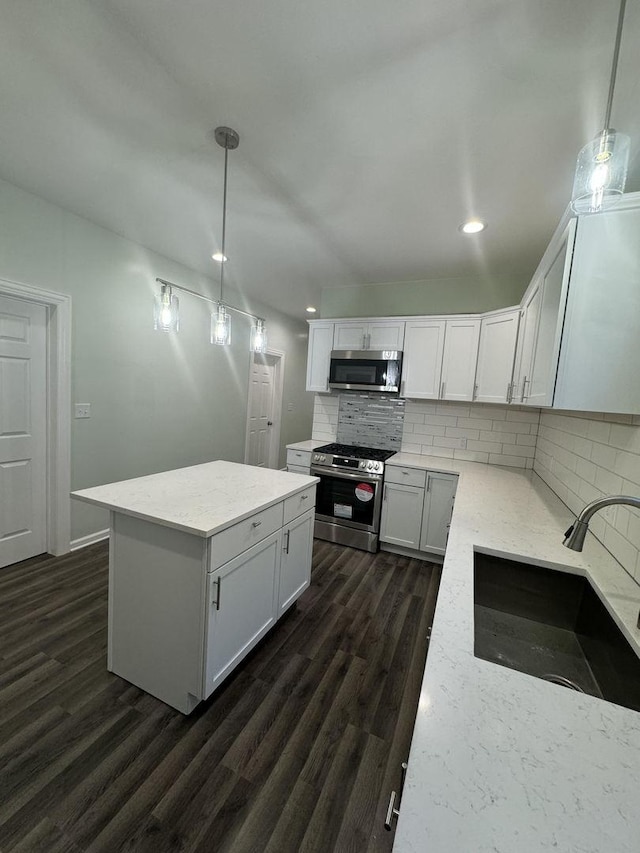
(417, 517)
(438, 507)
(184, 610)
(241, 597)
(401, 515)
(295, 564)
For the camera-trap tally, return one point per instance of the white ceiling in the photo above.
(369, 129)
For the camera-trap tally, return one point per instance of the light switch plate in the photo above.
(83, 410)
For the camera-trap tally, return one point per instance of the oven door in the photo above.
(348, 499)
(365, 370)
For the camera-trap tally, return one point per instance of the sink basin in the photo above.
(552, 625)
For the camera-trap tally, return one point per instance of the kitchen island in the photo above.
(501, 761)
(202, 562)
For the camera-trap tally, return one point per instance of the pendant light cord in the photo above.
(614, 67)
(224, 217)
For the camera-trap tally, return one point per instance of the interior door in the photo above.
(261, 414)
(23, 412)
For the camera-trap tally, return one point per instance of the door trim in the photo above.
(58, 448)
(278, 390)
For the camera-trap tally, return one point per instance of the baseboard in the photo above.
(427, 556)
(89, 539)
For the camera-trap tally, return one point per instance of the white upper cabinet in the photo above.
(600, 349)
(350, 336)
(422, 360)
(319, 355)
(374, 335)
(527, 332)
(554, 279)
(459, 359)
(494, 376)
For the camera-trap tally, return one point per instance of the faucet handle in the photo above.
(568, 532)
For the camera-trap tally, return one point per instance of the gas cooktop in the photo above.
(353, 451)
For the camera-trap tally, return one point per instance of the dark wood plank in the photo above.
(297, 751)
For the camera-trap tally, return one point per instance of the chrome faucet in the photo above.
(574, 537)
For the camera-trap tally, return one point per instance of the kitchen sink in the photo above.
(552, 625)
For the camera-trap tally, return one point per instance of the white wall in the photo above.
(583, 456)
(157, 401)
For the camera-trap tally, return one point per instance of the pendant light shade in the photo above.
(221, 326)
(258, 337)
(601, 170)
(166, 317)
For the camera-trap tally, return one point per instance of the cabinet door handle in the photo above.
(218, 584)
(256, 523)
(524, 388)
(508, 394)
(286, 542)
(442, 387)
(428, 482)
(392, 810)
(475, 391)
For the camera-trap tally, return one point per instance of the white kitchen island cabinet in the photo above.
(202, 563)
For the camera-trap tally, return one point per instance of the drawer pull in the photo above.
(256, 523)
(304, 497)
(405, 473)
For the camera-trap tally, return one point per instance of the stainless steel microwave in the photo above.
(366, 370)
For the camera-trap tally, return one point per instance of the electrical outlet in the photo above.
(290, 407)
(83, 410)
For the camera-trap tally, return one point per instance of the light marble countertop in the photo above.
(203, 499)
(502, 762)
(310, 444)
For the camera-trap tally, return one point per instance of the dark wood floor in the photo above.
(297, 751)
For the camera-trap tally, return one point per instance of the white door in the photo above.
(351, 336)
(385, 335)
(438, 507)
(460, 359)
(319, 356)
(527, 333)
(242, 607)
(295, 565)
(422, 361)
(555, 281)
(495, 357)
(23, 412)
(261, 415)
(402, 515)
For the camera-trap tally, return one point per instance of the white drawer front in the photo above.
(405, 476)
(234, 540)
(296, 469)
(299, 503)
(299, 457)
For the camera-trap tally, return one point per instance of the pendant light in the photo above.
(601, 170)
(165, 316)
(258, 337)
(166, 304)
(228, 139)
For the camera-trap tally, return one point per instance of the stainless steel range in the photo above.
(349, 494)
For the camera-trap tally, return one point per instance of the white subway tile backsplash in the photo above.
(478, 433)
(584, 456)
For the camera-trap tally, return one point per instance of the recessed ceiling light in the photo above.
(311, 309)
(219, 257)
(473, 226)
